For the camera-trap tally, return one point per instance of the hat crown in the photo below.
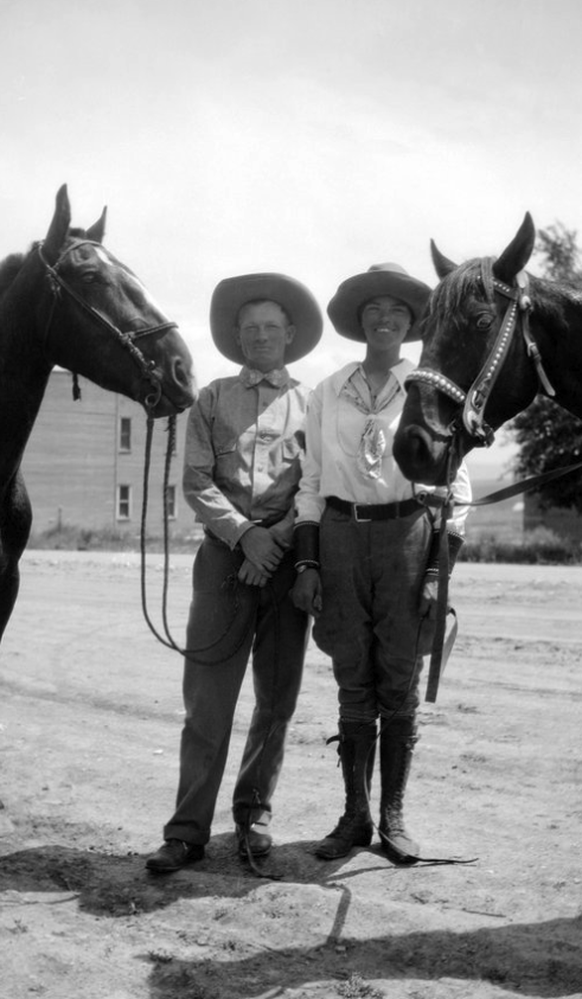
(390, 278)
(392, 268)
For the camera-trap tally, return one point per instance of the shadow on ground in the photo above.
(537, 959)
(502, 956)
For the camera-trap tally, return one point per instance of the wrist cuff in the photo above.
(306, 544)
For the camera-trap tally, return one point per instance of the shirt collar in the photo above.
(400, 371)
(250, 377)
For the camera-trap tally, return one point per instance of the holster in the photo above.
(455, 543)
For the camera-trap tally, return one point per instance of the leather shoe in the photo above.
(259, 843)
(173, 855)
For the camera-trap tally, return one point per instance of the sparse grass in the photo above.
(357, 988)
(538, 547)
(69, 537)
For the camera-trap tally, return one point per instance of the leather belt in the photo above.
(362, 512)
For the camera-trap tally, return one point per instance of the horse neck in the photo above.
(24, 368)
(556, 326)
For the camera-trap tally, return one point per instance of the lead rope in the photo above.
(384, 724)
(437, 657)
(144, 510)
(170, 447)
(169, 641)
(441, 650)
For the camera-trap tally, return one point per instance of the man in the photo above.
(244, 442)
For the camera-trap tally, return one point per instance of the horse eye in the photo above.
(484, 321)
(88, 277)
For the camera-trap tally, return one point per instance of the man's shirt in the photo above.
(244, 443)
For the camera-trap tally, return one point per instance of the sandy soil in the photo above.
(90, 718)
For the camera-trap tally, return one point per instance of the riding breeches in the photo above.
(372, 574)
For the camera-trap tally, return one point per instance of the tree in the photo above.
(548, 436)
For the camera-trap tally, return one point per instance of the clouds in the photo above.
(313, 137)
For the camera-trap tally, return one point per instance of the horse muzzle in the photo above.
(170, 392)
(424, 455)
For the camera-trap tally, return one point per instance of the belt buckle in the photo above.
(357, 517)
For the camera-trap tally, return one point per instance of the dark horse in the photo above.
(493, 338)
(70, 302)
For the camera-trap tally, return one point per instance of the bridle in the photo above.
(475, 400)
(471, 415)
(126, 338)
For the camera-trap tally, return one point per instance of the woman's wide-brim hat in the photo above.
(232, 293)
(381, 279)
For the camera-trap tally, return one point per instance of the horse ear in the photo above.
(96, 232)
(442, 265)
(516, 255)
(59, 226)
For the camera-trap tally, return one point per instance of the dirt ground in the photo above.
(90, 717)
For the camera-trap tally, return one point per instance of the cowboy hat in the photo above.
(231, 294)
(380, 279)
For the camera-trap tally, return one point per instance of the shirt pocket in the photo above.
(225, 436)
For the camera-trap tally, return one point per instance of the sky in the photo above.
(309, 137)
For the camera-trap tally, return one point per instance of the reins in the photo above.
(167, 638)
(441, 650)
(472, 417)
(127, 338)
(168, 641)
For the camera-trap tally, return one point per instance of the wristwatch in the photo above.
(301, 568)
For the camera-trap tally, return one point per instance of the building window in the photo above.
(125, 433)
(124, 502)
(171, 503)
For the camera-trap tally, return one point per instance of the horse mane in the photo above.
(550, 299)
(9, 268)
(474, 278)
(471, 279)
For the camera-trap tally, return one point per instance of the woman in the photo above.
(367, 553)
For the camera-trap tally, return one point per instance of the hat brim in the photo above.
(232, 293)
(355, 291)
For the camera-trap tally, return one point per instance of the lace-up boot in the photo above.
(357, 744)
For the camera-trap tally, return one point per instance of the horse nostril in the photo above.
(411, 450)
(181, 373)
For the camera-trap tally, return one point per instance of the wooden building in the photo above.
(84, 464)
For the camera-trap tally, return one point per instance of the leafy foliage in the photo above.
(561, 252)
(548, 436)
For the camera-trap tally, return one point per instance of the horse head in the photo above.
(470, 360)
(102, 323)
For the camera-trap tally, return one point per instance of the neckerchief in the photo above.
(372, 446)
